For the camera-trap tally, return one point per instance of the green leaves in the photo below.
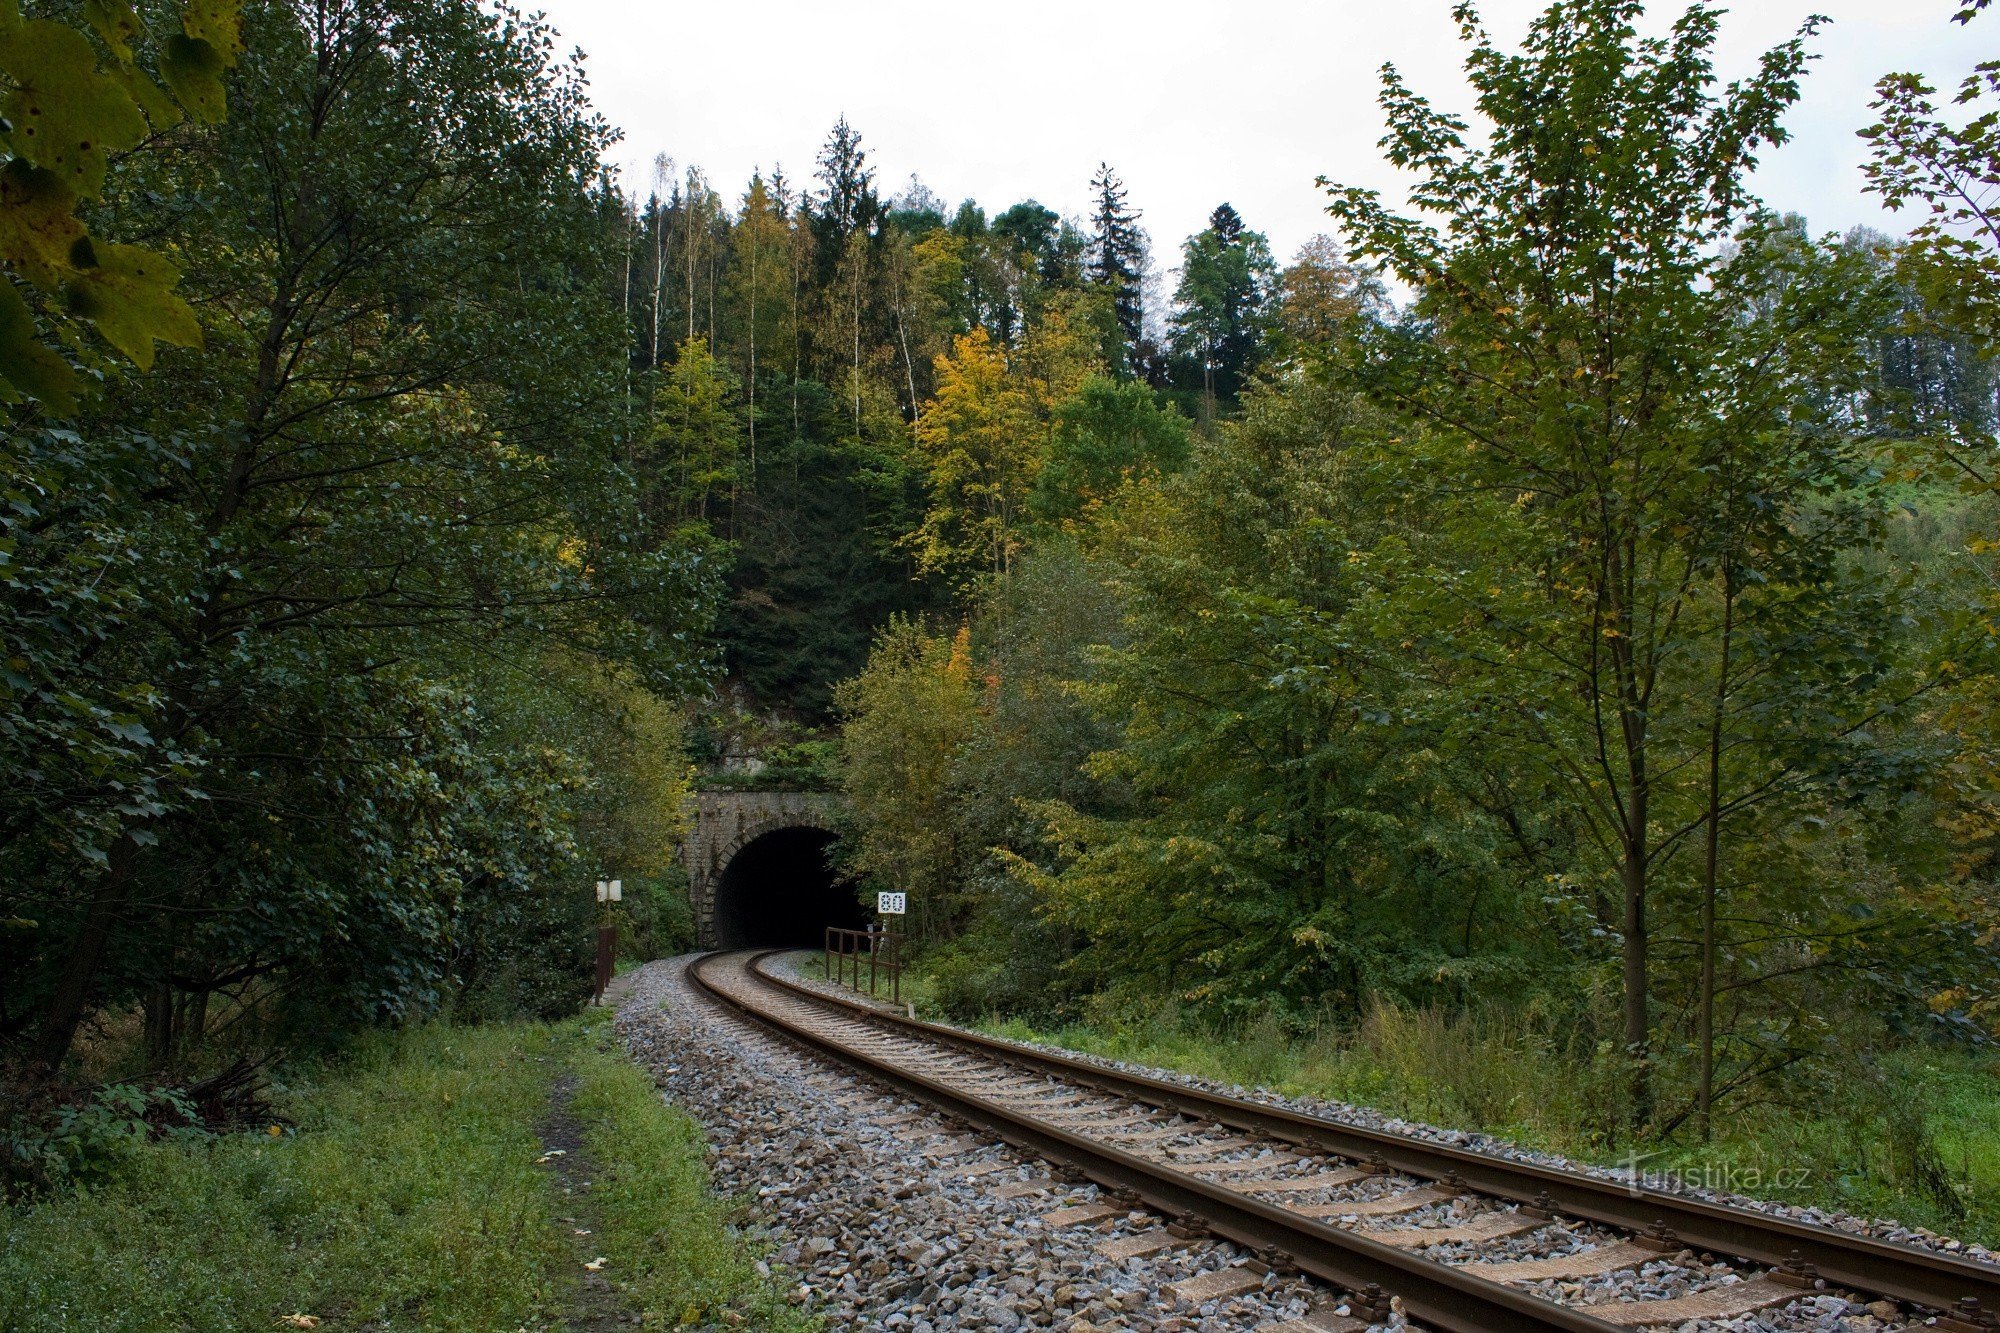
(193, 69)
(69, 114)
(1946, 171)
(216, 23)
(39, 229)
(128, 294)
(116, 25)
(29, 366)
(125, 290)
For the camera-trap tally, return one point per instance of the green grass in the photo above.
(1916, 1137)
(666, 1236)
(408, 1198)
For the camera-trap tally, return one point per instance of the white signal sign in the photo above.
(891, 904)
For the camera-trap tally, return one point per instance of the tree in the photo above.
(1226, 278)
(396, 452)
(756, 284)
(906, 719)
(980, 451)
(1107, 433)
(1319, 296)
(846, 202)
(1953, 173)
(1590, 350)
(696, 433)
(1282, 846)
(1037, 235)
(1118, 261)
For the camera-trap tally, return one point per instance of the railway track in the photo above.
(1334, 1200)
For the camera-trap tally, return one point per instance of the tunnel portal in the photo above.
(780, 889)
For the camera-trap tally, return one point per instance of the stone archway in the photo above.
(728, 822)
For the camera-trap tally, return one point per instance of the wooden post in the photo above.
(607, 950)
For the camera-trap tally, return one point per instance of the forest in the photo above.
(1565, 600)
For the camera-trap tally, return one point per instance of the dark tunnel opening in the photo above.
(781, 890)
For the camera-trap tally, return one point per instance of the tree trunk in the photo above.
(72, 992)
(856, 291)
(1638, 1036)
(159, 1006)
(794, 248)
(1704, 1101)
(626, 293)
(659, 282)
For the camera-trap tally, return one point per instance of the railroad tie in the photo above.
(1140, 1246)
(978, 1169)
(964, 1143)
(1406, 1202)
(1082, 1214)
(1319, 1321)
(1324, 1180)
(1254, 1167)
(1723, 1302)
(1094, 1119)
(1043, 1104)
(1584, 1263)
(1490, 1226)
(1216, 1284)
(1014, 1189)
(1155, 1135)
(1213, 1148)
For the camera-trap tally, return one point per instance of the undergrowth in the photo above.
(1912, 1134)
(407, 1195)
(410, 1194)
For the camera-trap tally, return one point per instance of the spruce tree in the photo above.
(1118, 258)
(847, 201)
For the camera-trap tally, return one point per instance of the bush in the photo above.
(89, 1140)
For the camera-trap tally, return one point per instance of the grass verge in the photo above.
(666, 1236)
(1919, 1141)
(410, 1196)
(1911, 1134)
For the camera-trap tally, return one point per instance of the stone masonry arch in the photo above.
(728, 821)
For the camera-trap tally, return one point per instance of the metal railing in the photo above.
(882, 950)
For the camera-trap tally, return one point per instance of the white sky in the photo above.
(1192, 104)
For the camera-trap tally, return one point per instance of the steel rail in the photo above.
(1936, 1281)
(1434, 1294)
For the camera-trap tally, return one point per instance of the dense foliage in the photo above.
(332, 647)
(1570, 595)
(1592, 631)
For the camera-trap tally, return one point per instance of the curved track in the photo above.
(1285, 1184)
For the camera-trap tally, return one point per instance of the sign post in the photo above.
(608, 891)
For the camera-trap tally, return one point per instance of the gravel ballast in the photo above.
(881, 1213)
(877, 1225)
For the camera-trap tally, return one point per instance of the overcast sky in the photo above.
(1193, 104)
